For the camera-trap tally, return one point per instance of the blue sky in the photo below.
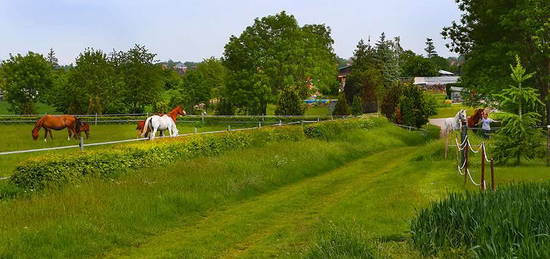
(191, 30)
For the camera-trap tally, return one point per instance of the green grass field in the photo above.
(351, 196)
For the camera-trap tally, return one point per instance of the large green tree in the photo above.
(413, 65)
(275, 53)
(92, 86)
(142, 78)
(491, 32)
(25, 79)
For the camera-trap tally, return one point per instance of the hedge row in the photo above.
(56, 170)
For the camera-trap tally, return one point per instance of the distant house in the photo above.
(343, 72)
(456, 94)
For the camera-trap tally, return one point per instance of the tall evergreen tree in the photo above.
(430, 49)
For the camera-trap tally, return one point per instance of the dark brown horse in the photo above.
(474, 119)
(57, 122)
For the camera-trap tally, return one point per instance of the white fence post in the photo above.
(81, 143)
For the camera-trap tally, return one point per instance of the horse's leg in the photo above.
(46, 134)
(69, 132)
(153, 134)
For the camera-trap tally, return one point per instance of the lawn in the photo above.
(352, 195)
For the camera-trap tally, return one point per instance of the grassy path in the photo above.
(281, 222)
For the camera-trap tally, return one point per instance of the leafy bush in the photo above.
(357, 106)
(415, 106)
(512, 222)
(342, 107)
(55, 170)
(290, 103)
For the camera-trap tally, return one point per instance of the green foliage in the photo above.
(390, 104)
(92, 86)
(143, 82)
(509, 223)
(490, 33)
(413, 65)
(58, 170)
(342, 241)
(224, 107)
(275, 53)
(408, 105)
(290, 103)
(25, 80)
(518, 136)
(330, 129)
(366, 79)
(357, 106)
(387, 55)
(342, 107)
(430, 49)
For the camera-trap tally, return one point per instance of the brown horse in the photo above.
(86, 128)
(172, 114)
(57, 122)
(474, 119)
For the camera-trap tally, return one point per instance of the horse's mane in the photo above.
(39, 122)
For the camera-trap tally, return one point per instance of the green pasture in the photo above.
(351, 196)
(18, 137)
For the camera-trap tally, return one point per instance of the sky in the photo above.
(190, 30)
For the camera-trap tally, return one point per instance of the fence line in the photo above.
(82, 145)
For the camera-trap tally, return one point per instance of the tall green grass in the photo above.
(512, 222)
(98, 215)
(342, 240)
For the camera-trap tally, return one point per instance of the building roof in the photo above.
(436, 80)
(445, 73)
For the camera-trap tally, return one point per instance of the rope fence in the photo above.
(463, 160)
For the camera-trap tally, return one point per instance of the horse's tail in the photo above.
(145, 127)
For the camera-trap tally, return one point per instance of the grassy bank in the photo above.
(100, 215)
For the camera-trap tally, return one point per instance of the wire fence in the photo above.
(82, 145)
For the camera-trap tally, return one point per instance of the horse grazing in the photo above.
(173, 114)
(474, 119)
(452, 124)
(86, 128)
(57, 122)
(162, 123)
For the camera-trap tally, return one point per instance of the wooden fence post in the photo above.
(482, 184)
(492, 175)
(81, 143)
(463, 136)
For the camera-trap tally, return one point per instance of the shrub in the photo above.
(55, 170)
(357, 106)
(342, 107)
(290, 103)
(512, 222)
(415, 106)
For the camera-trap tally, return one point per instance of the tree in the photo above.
(415, 106)
(490, 33)
(366, 79)
(413, 65)
(52, 59)
(430, 49)
(25, 79)
(357, 106)
(342, 107)
(387, 55)
(518, 136)
(142, 78)
(92, 86)
(390, 104)
(275, 53)
(290, 103)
